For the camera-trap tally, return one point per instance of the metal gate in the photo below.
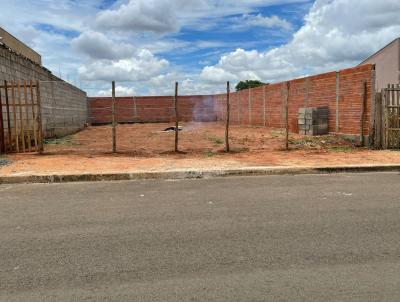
(20, 118)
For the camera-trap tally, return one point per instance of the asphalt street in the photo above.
(275, 238)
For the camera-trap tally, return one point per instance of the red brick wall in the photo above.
(152, 109)
(321, 93)
(258, 106)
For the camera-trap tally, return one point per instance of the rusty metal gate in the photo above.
(20, 118)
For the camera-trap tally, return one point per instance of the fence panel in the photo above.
(391, 117)
(20, 129)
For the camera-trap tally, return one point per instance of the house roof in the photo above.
(397, 40)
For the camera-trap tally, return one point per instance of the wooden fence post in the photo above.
(21, 118)
(176, 118)
(287, 116)
(8, 116)
(337, 102)
(34, 120)
(264, 105)
(39, 117)
(362, 114)
(250, 109)
(2, 140)
(238, 106)
(397, 111)
(114, 124)
(378, 121)
(386, 113)
(16, 136)
(28, 130)
(228, 110)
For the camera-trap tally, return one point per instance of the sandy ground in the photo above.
(145, 147)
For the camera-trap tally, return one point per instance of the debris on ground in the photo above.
(173, 129)
(4, 162)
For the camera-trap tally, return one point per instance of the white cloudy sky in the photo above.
(147, 45)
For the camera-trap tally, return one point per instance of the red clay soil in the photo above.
(146, 147)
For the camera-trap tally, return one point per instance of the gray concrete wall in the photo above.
(64, 106)
(387, 65)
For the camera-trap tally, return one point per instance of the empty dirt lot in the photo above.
(147, 147)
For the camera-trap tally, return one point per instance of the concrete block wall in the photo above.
(313, 121)
(64, 106)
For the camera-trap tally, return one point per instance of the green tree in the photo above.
(249, 84)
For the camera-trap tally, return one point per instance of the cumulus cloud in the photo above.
(166, 16)
(141, 67)
(188, 84)
(98, 46)
(336, 34)
(140, 15)
(119, 91)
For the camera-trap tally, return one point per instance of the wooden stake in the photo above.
(15, 117)
(228, 113)
(176, 118)
(238, 106)
(8, 115)
(34, 120)
(21, 118)
(337, 129)
(264, 105)
(39, 118)
(250, 119)
(287, 116)
(386, 112)
(362, 114)
(378, 121)
(2, 141)
(397, 110)
(28, 130)
(114, 120)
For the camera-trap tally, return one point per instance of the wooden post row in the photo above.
(176, 118)
(23, 127)
(228, 91)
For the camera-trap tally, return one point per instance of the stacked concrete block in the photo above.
(313, 121)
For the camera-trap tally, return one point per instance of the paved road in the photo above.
(276, 238)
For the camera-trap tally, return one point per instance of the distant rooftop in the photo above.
(20, 48)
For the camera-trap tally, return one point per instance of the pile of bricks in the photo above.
(313, 121)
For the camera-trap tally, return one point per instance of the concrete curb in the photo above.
(195, 174)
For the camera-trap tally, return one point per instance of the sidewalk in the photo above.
(54, 168)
